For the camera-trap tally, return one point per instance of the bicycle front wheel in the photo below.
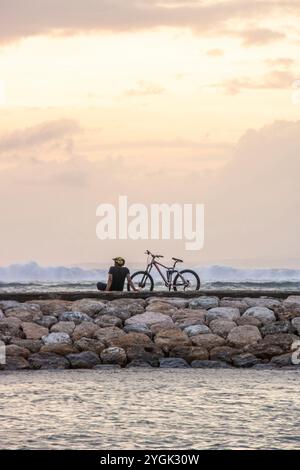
(142, 281)
(186, 280)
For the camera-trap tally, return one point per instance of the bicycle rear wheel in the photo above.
(186, 280)
(142, 281)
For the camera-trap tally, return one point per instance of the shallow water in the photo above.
(150, 409)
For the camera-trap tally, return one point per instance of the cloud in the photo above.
(259, 36)
(274, 80)
(24, 18)
(145, 88)
(44, 133)
(284, 62)
(215, 52)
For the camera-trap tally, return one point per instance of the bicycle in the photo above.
(186, 279)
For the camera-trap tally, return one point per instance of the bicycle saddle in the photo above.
(178, 260)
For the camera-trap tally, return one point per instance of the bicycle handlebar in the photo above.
(154, 256)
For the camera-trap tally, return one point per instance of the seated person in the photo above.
(116, 277)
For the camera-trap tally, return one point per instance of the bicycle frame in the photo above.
(167, 281)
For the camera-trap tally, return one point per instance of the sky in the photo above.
(164, 101)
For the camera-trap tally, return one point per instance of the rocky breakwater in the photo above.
(156, 332)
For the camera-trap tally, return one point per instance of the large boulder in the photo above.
(244, 360)
(207, 341)
(283, 340)
(187, 317)
(48, 361)
(138, 328)
(47, 321)
(76, 317)
(296, 324)
(222, 327)
(283, 326)
(54, 307)
(264, 350)
(85, 330)
(14, 350)
(114, 355)
(189, 353)
(222, 313)
(169, 338)
(89, 344)
(173, 301)
(63, 327)
(263, 314)
(194, 330)
(108, 320)
(83, 360)
(173, 363)
(54, 338)
(248, 321)
(243, 335)
(272, 304)
(150, 353)
(33, 331)
(25, 312)
(204, 302)
(11, 327)
(223, 353)
(291, 308)
(149, 319)
(90, 307)
(130, 339)
(15, 363)
(33, 345)
(6, 304)
(106, 335)
(124, 308)
(161, 307)
(63, 349)
(241, 304)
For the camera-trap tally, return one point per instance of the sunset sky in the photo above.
(162, 101)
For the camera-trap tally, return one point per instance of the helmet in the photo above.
(119, 261)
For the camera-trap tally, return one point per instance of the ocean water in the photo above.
(150, 409)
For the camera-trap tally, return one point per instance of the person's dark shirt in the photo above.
(119, 274)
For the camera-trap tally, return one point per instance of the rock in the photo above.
(88, 344)
(149, 319)
(194, 330)
(63, 327)
(48, 361)
(175, 301)
(157, 327)
(283, 340)
(223, 353)
(241, 304)
(248, 321)
(33, 345)
(283, 360)
(210, 365)
(204, 302)
(47, 321)
(114, 355)
(148, 353)
(189, 353)
(161, 307)
(296, 324)
(264, 350)
(14, 350)
(11, 327)
(272, 304)
(2, 316)
(76, 317)
(207, 341)
(25, 313)
(54, 338)
(222, 313)
(90, 307)
(124, 308)
(33, 331)
(85, 330)
(169, 338)
(137, 363)
(189, 317)
(244, 360)
(63, 349)
(172, 363)
(291, 308)
(6, 304)
(138, 328)
(222, 327)
(283, 326)
(106, 335)
(54, 307)
(130, 339)
(243, 335)
(108, 320)
(83, 360)
(263, 314)
(16, 363)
